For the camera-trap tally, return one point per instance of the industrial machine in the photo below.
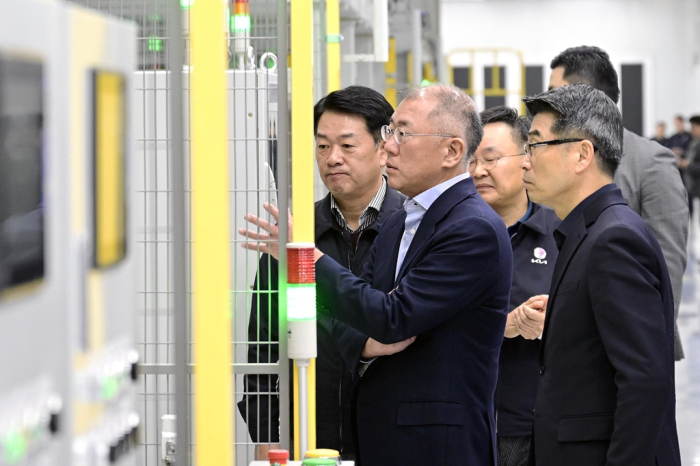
(67, 307)
(101, 292)
(35, 378)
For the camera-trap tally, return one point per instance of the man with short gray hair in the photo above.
(647, 175)
(606, 394)
(440, 270)
(455, 113)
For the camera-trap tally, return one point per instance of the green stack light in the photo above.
(301, 301)
(185, 4)
(425, 82)
(109, 387)
(240, 21)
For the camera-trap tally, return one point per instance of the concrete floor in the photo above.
(688, 370)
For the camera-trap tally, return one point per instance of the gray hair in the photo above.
(455, 113)
(584, 112)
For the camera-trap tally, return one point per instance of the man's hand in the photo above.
(374, 349)
(511, 327)
(528, 318)
(267, 243)
(261, 450)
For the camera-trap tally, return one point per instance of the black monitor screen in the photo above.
(21, 172)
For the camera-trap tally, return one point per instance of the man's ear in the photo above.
(586, 156)
(382, 154)
(455, 152)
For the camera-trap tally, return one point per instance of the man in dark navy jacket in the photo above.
(439, 270)
(498, 178)
(606, 392)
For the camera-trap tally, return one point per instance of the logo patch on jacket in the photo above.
(540, 255)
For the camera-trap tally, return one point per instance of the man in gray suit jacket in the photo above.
(647, 176)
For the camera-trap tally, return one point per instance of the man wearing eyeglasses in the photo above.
(439, 270)
(498, 178)
(648, 176)
(606, 393)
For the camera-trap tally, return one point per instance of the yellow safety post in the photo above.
(211, 266)
(333, 44)
(302, 173)
(390, 70)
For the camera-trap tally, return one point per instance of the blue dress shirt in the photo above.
(415, 211)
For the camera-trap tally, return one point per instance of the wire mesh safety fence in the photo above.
(151, 198)
(253, 127)
(251, 30)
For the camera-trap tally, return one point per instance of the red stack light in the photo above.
(300, 263)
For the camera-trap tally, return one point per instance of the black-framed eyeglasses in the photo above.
(488, 164)
(553, 142)
(400, 134)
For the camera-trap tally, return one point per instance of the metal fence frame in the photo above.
(164, 193)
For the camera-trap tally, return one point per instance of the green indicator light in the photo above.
(241, 23)
(155, 45)
(301, 301)
(186, 3)
(14, 447)
(425, 82)
(333, 39)
(109, 388)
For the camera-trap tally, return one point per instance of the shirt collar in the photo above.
(516, 226)
(566, 226)
(369, 214)
(528, 213)
(426, 198)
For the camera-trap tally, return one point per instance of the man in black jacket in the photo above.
(606, 394)
(647, 175)
(498, 178)
(350, 157)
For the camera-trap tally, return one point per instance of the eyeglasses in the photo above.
(488, 164)
(554, 142)
(400, 134)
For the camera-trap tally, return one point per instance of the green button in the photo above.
(319, 462)
(109, 388)
(14, 447)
